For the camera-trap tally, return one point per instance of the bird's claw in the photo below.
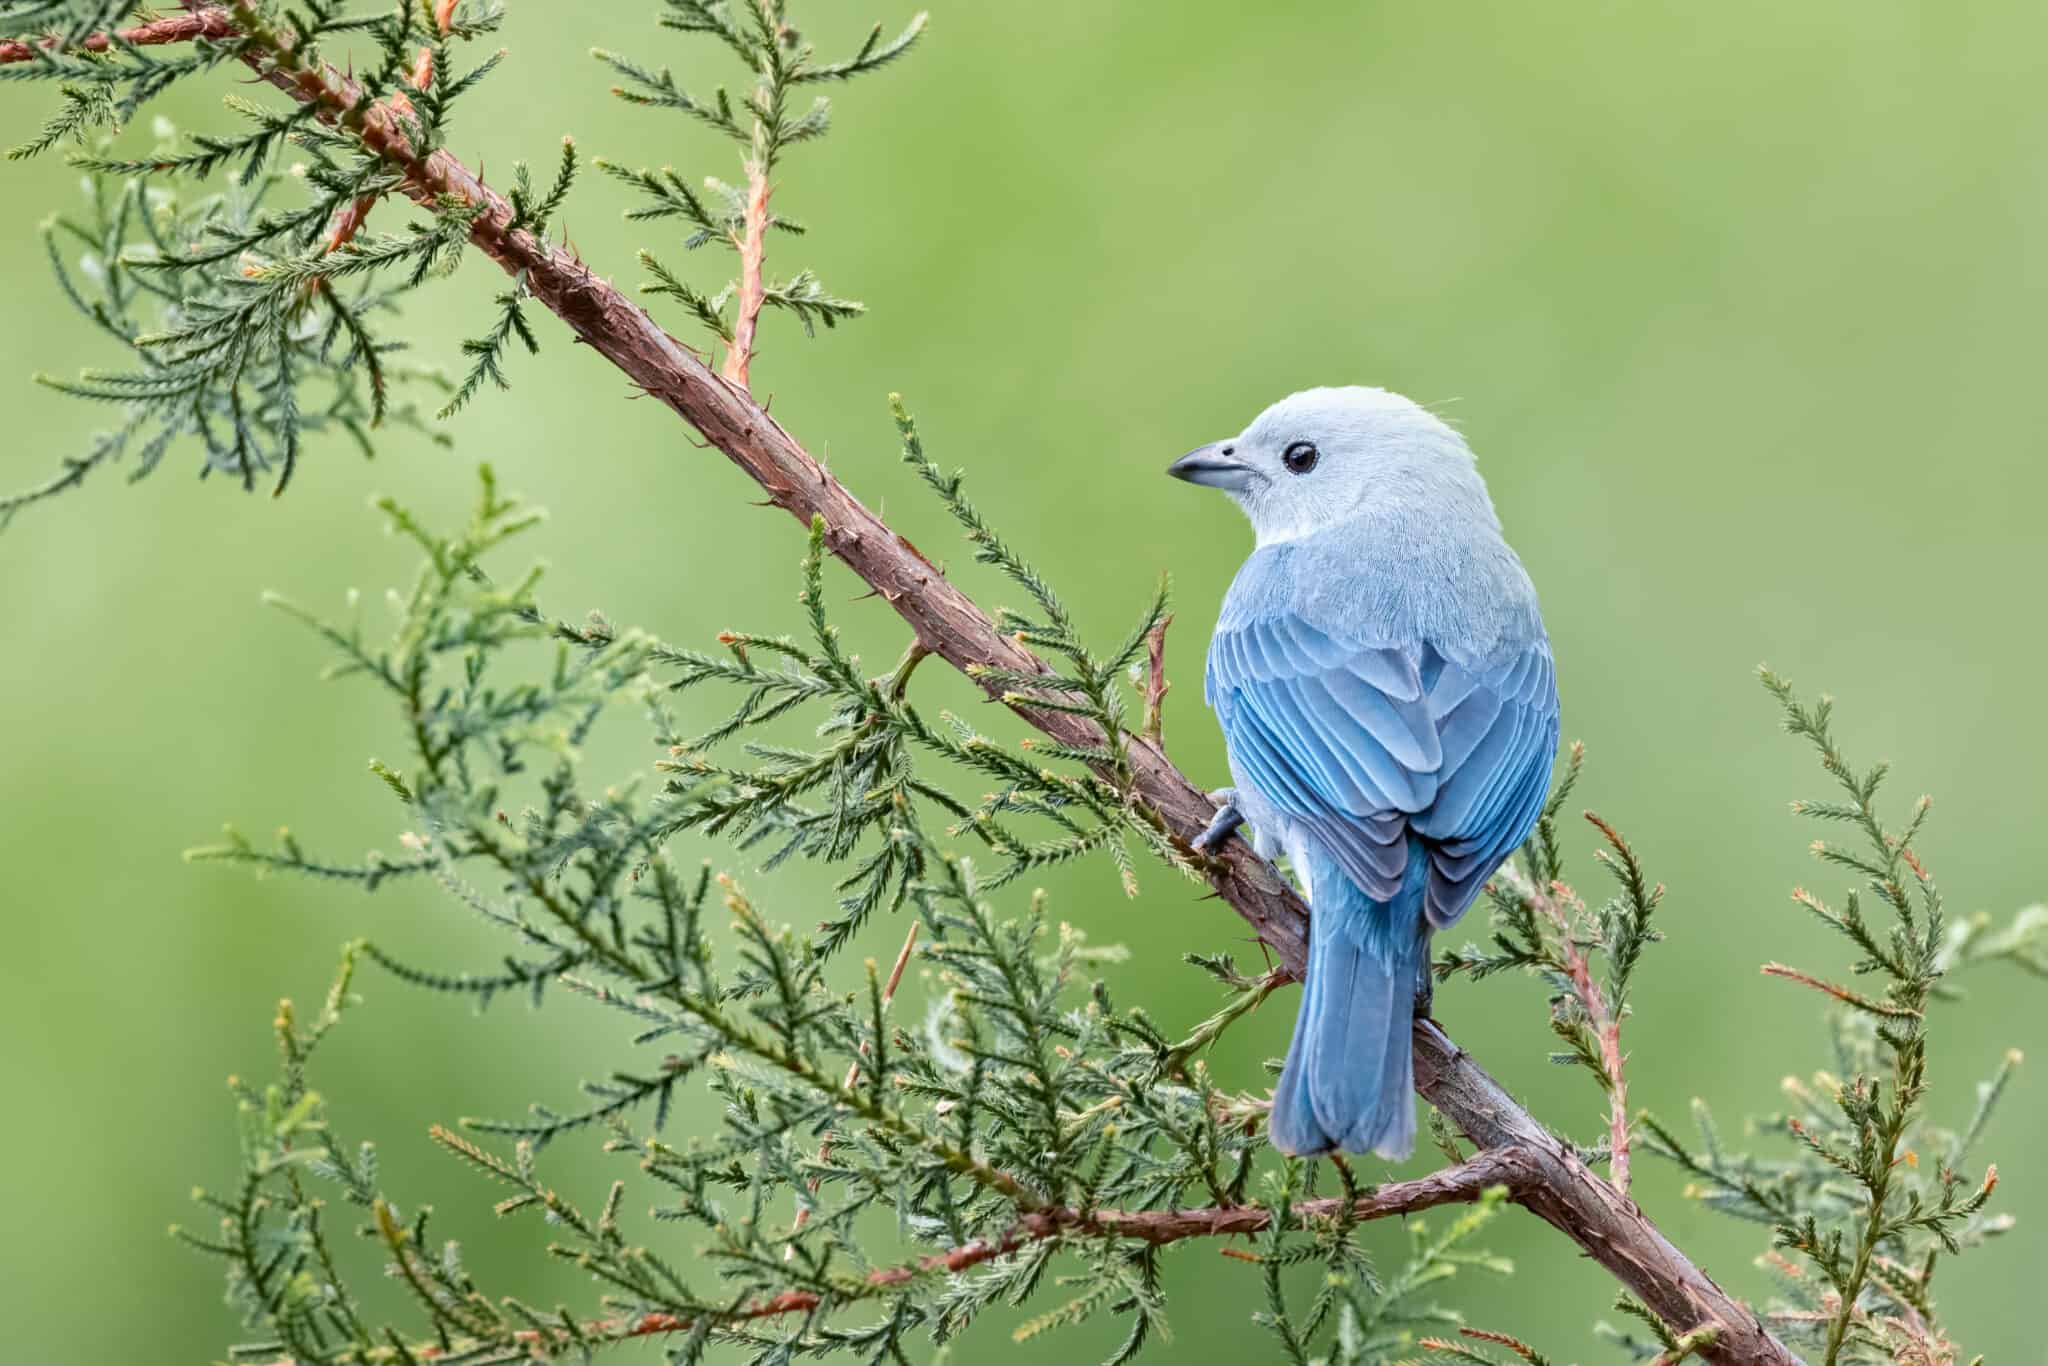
(1228, 817)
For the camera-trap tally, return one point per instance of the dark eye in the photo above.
(1300, 458)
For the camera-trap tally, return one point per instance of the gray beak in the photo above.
(1213, 466)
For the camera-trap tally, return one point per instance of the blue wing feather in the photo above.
(1361, 744)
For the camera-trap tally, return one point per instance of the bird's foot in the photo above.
(1425, 996)
(1228, 817)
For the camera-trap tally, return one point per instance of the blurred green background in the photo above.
(1741, 306)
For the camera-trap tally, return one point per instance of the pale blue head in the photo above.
(1325, 457)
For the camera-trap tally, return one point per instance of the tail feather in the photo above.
(1349, 1077)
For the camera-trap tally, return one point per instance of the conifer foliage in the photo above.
(877, 1154)
(1025, 1122)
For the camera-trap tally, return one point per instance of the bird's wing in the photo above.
(1497, 729)
(1337, 736)
(1361, 744)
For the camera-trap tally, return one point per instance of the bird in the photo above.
(1388, 700)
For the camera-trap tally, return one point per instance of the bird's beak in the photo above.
(1213, 466)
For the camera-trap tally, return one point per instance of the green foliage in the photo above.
(765, 124)
(856, 796)
(1023, 1093)
(255, 328)
(98, 88)
(248, 355)
(881, 1169)
(1540, 925)
(1870, 1193)
(1374, 1320)
(249, 316)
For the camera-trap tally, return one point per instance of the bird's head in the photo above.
(1322, 457)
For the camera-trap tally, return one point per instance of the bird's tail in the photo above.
(1349, 1078)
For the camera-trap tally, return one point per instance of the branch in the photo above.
(349, 220)
(1565, 1193)
(1461, 1184)
(1156, 686)
(208, 22)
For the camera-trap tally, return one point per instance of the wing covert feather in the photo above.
(1363, 745)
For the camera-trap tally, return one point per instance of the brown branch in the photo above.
(349, 219)
(207, 22)
(1562, 1190)
(1156, 686)
(1461, 1184)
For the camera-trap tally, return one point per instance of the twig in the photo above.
(1156, 686)
(349, 220)
(208, 22)
(1698, 1340)
(1840, 993)
(1606, 1026)
(803, 1216)
(1248, 999)
(753, 245)
(898, 678)
(1566, 1194)
(1445, 1345)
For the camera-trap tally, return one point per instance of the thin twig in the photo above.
(349, 220)
(209, 22)
(1840, 993)
(753, 245)
(1512, 1343)
(803, 1216)
(1606, 1024)
(1698, 1340)
(1156, 686)
(1461, 1184)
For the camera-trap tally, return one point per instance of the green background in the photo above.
(1739, 304)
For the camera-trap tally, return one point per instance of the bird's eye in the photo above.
(1300, 458)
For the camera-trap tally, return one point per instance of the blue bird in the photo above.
(1386, 691)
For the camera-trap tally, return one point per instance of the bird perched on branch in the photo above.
(1385, 687)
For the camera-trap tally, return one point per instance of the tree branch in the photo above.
(1561, 1190)
(1460, 1184)
(202, 22)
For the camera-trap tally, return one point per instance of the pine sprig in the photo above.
(764, 125)
(1858, 1225)
(250, 327)
(488, 348)
(531, 213)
